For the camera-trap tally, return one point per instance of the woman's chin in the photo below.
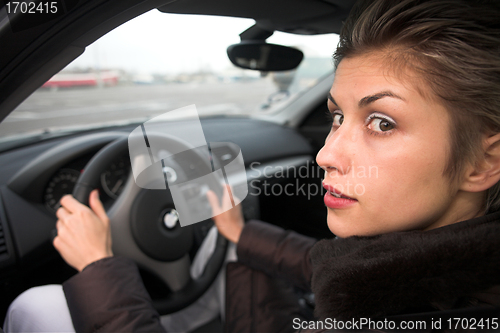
(347, 226)
(339, 226)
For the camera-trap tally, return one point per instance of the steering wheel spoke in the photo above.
(174, 274)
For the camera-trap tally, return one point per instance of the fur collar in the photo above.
(393, 273)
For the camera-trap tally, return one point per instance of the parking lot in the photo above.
(49, 109)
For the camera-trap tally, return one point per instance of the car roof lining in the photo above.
(294, 16)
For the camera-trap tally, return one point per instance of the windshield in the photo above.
(159, 62)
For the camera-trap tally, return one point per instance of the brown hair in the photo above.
(455, 47)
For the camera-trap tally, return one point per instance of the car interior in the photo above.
(38, 166)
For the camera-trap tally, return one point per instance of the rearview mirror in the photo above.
(261, 56)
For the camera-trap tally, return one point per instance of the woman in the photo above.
(416, 97)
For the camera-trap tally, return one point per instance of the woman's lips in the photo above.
(335, 199)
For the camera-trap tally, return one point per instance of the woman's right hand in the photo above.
(83, 233)
(228, 219)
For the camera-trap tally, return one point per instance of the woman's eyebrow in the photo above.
(330, 98)
(372, 98)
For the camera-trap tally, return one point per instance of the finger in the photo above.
(61, 231)
(229, 189)
(56, 242)
(226, 198)
(233, 197)
(62, 213)
(59, 240)
(214, 202)
(97, 206)
(71, 204)
(59, 224)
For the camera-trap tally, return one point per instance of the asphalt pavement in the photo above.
(50, 109)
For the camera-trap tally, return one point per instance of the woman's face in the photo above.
(387, 149)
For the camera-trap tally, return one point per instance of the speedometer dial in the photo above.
(60, 184)
(114, 178)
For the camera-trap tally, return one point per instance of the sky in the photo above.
(151, 43)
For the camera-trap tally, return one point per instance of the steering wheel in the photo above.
(140, 230)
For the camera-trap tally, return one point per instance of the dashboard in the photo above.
(33, 178)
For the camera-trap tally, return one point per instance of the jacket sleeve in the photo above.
(277, 252)
(109, 296)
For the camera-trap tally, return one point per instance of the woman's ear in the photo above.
(486, 172)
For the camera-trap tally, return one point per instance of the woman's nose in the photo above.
(338, 152)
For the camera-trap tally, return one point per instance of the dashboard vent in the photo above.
(3, 245)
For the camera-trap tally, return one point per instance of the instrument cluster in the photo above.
(112, 181)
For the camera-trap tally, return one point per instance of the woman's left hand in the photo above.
(83, 233)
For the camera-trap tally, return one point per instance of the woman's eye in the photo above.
(338, 119)
(380, 125)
